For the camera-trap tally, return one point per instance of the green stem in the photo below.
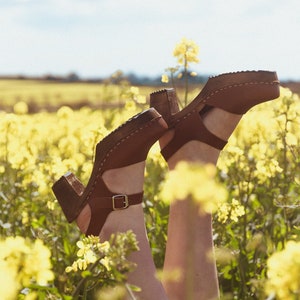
(174, 87)
(186, 80)
(83, 280)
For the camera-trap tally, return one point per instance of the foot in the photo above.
(118, 181)
(217, 121)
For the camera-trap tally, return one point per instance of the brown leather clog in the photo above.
(233, 92)
(128, 144)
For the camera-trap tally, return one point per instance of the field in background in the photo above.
(50, 95)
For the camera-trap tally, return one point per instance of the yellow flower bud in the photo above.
(164, 78)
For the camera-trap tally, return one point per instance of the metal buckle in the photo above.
(120, 197)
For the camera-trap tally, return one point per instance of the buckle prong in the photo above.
(125, 202)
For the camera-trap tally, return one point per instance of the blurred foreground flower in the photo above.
(197, 181)
(23, 263)
(284, 272)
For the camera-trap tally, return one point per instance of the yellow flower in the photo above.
(41, 256)
(237, 210)
(86, 252)
(223, 212)
(284, 272)
(24, 262)
(266, 169)
(82, 248)
(230, 211)
(134, 90)
(31, 296)
(90, 257)
(197, 181)
(130, 105)
(82, 264)
(109, 293)
(70, 269)
(105, 262)
(291, 139)
(21, 108)
(186, 51)
(132, 96)
(103, 247)
(50, 205)
(25, 218)
(165, 78)
(90, 250)
(65, 112)
(9, 286)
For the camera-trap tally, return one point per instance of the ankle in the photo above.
(131, 218)
(221, 123)
(218, 122)
(194, 151)
(126, 180)
(83, 219)
(166, 138)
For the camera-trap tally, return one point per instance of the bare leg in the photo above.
(129, 180)
(198, 271)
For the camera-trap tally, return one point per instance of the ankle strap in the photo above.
(191, 128)
(101, 207)
(119, 201)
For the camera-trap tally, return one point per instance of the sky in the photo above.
(95, 38)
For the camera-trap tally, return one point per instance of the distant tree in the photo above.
(72, 77)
